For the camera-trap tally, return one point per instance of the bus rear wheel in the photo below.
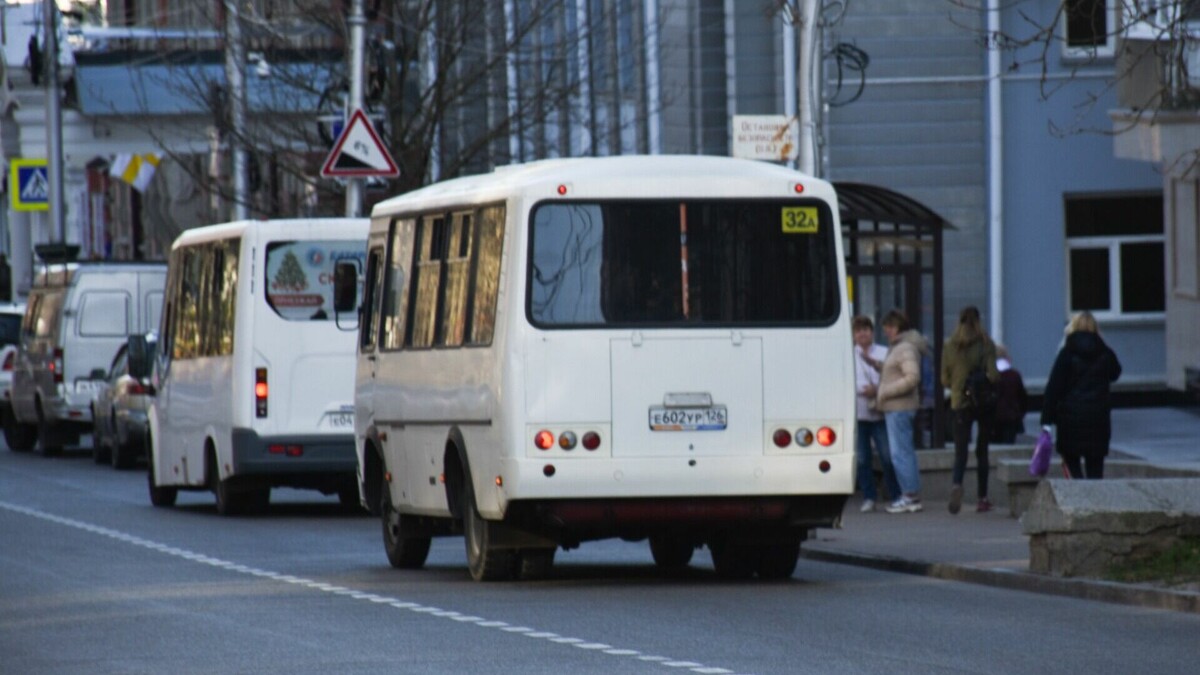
(485, 561)
(671, 553)
(403, 550)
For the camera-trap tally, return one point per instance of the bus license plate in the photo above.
(714, 418)
(340, 420)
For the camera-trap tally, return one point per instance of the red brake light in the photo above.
(782, 438)
(591, 440)
(543, 440)
(260, 392)
(137, 388)
(9, 360)
(826, 436)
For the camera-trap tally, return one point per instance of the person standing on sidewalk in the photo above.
(1077, 397)
(898, 398)
(1012, 401)
(868, 359)
(969, 350)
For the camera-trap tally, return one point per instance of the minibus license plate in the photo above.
(714, 418)
(340, 420)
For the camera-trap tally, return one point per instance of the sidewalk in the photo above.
(989, 548)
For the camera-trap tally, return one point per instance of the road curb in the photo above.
(1087, 589)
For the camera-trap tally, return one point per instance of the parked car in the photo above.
(119, 409)
(77, 315)
(10, 334)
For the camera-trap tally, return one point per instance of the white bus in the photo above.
(638, 347)
(254, 379)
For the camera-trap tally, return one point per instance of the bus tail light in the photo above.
(804, 437)
(826, 436)
(56, 365)
(544, 440)
(782, 438)
(260, 392)
(10, 361)
(591, 440)
(137, 388)
(567, 440)
(289, 450)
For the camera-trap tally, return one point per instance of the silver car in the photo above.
(119, 409)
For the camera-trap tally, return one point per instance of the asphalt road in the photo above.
(95, 580)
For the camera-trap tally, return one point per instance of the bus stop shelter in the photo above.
(893, 247)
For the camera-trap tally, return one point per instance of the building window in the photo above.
(1115, 255)
(1089, 29)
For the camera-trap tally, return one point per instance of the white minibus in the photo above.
(253, 382)
(644, 347)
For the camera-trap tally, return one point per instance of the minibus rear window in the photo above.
(300, 277)
(683, 263)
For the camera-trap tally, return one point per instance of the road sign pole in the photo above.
(54, 149)
(356, 21)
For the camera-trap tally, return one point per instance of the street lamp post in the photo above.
(54, 143)
(356, 21)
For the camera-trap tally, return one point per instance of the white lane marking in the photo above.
(343, 591)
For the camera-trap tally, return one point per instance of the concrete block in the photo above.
(1082, 528)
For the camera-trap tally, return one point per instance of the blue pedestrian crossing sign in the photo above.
(28, 185)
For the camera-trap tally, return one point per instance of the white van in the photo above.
(639, 347)
(254, 379)
(76, 317)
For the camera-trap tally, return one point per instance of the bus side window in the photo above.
(489, 244)
(370, 321)
(393, 310)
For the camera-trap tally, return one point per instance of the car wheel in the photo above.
(536, 563)
(733, 561)
(403, 550)
(484, 560)
(51, 446)
(671, 553)
(122, 453)
(162, 496)
(19, 437)
(778, 560)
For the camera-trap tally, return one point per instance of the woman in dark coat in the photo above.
(1077, 400)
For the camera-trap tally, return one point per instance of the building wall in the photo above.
(919, 127)
(1056, 143)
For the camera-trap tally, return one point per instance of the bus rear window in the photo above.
(299, 279)
(683, 263)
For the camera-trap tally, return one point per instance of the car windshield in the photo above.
(10, 329)
(672, 262)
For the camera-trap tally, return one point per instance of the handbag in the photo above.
(1040, 463)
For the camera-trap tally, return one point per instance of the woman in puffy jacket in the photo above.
(1077, 398)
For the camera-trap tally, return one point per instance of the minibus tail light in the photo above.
(260, 392)
(544, 440)
(826, 436)
(591, 440)
(56, 366)
(782, 438)
(804, 437)
(9, 361)
(567, 440)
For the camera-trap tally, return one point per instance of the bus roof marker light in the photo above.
(562, 190)
(798, 188)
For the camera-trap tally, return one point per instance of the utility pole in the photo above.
(808, 79)
(54, 143)
(356, 21)
(235, 75)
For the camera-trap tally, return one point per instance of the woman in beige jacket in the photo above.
(898, 398)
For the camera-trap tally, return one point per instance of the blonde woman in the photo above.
(1077, 398)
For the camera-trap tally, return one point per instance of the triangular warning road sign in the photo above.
(359, 153)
